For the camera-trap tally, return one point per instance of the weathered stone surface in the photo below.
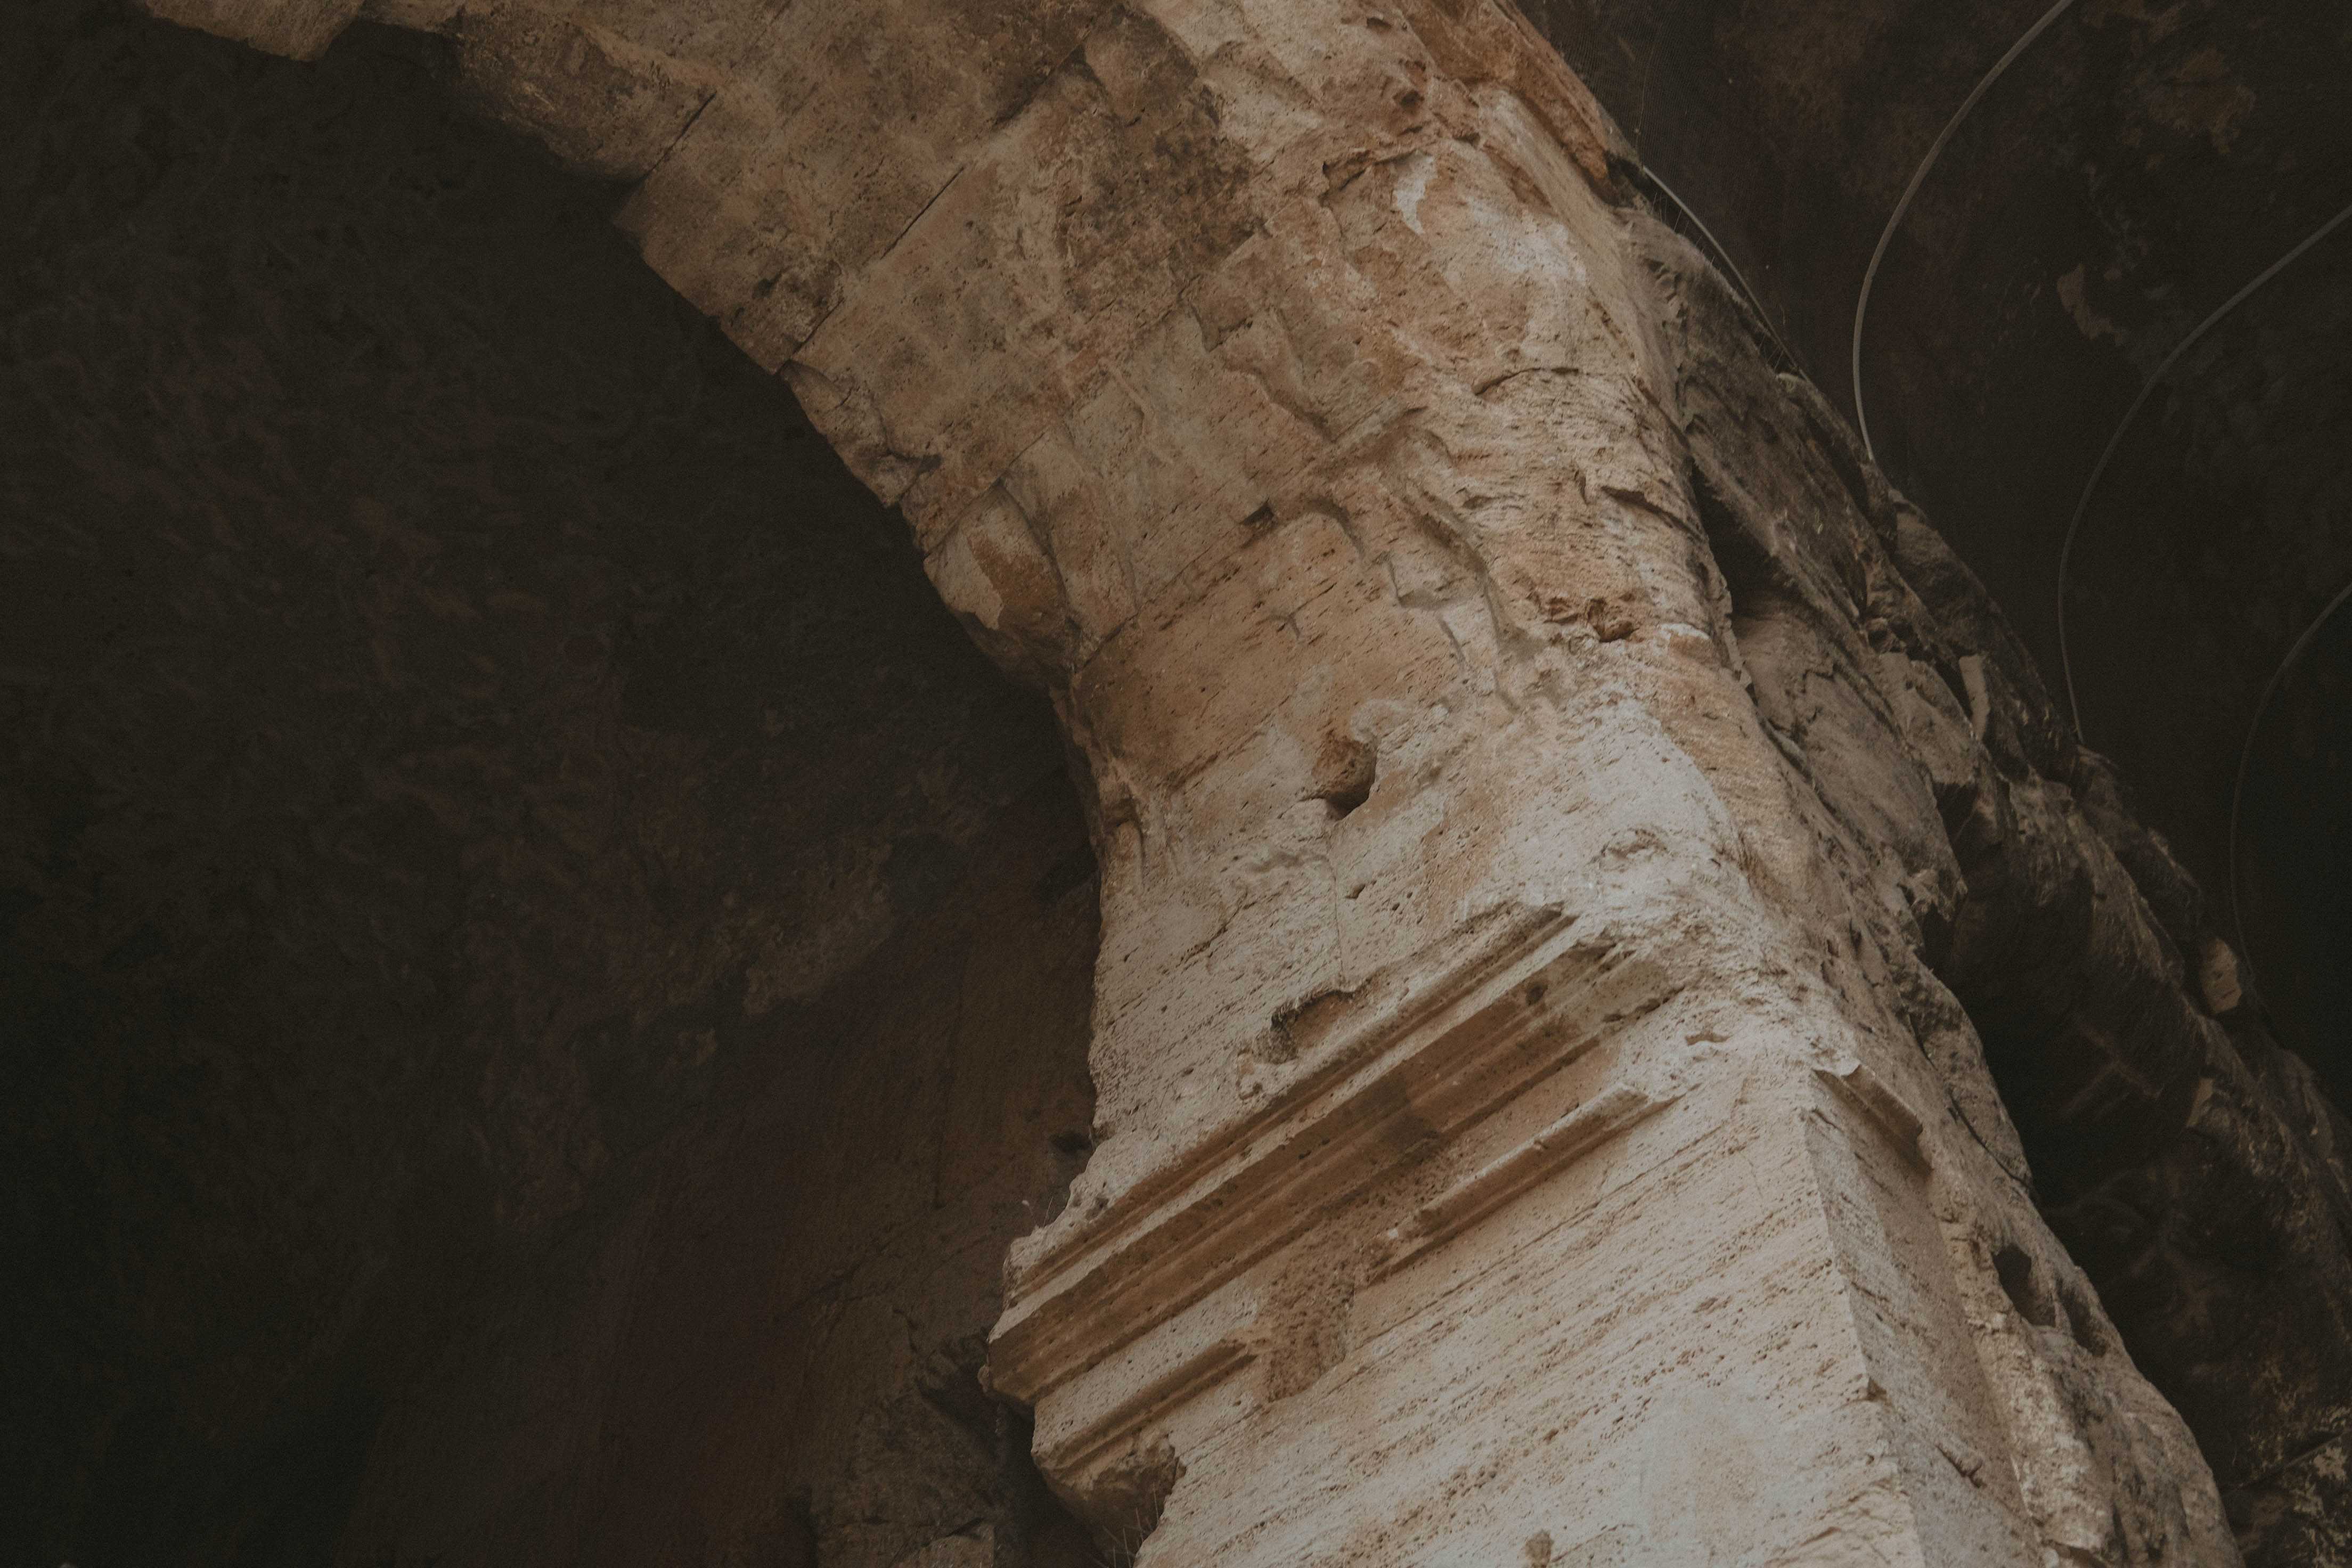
(2194, 1175)
(1553, 806)
(1528, 703)
(2133, 169)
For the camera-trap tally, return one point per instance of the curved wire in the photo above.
(1755, 300)
(1919, 178)
(2246, 753)
(2098, 469)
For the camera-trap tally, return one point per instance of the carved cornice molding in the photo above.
(1395, 1081)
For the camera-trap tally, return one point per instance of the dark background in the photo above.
(538, 970)
(2136, 167)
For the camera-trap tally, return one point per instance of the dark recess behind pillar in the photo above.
(2133, 169)
(538, 969)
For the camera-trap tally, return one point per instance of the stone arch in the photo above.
(1278, 381)
(531, 930)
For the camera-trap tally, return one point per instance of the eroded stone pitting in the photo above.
(2184, 1159)
(2132, 171)
(1599, 913)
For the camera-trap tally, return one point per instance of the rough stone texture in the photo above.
(2128, 174)
(2299, 844)
(540, 970)
(1545, 790)
(2192, 1167)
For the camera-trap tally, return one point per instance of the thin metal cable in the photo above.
(1918, 178)
(2081, 506)
(1755, 300)
(2246, 753)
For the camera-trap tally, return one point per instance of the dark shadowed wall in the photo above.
(539, 971)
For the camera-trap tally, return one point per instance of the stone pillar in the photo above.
(1506, 1159)
(1528, 1132)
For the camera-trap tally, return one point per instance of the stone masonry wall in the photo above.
(1572, 841)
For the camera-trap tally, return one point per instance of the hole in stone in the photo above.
(1344, 773)
(1751, 578)
(1123, 1506)
(1769, 643)
(2082, 1318)
(1342, 802)
(1296, 1025)
(2022, 1284)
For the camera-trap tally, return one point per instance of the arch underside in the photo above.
(1542, 776)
